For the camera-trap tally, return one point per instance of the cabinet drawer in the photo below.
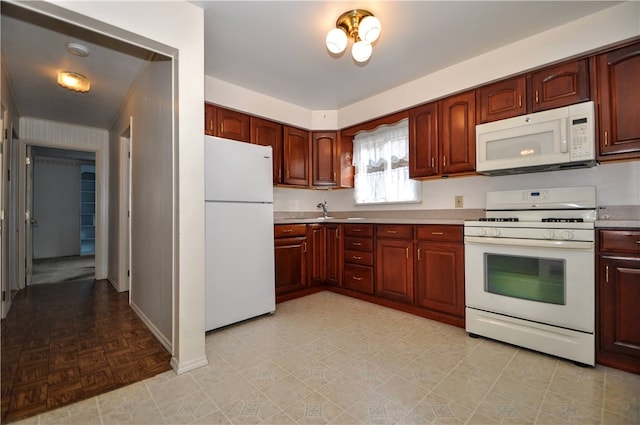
(395, 231)
(358, 230)
(358, 278)
(436, 232)
(289, 230)
(358, 244)
(620, 240)
(359, 257)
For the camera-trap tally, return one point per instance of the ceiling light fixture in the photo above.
(74, 81)
(78, 49)
(358, 24)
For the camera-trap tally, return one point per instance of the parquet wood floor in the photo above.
(65, 342)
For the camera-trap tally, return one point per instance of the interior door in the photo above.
(6, 292)
(28, 230)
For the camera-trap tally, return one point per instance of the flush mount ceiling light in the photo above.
(74, 81)
(77, 49)
(358, 24)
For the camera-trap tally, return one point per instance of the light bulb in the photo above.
(369, 29)
(336, 41)
(361, 51)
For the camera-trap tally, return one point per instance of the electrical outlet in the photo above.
(459, 201)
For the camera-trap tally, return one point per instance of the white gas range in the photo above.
(529, 267)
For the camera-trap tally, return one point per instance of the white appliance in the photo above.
(239, 258)
(557, 139)
(529, 271)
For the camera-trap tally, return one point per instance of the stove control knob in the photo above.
(567, 235)
(482, 231)
(548, 234)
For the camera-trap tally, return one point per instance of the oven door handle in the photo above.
(530, 242)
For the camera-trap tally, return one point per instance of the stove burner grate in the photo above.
(511, 219)
(562, 220)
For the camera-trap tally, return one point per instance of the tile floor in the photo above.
(326, 358)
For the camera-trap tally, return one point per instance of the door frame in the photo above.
(102, 181)
(124, 211)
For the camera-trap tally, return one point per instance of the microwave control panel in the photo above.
(581, 136)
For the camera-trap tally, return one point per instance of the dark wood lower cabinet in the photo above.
(394, 269)
(291, 264)
(439, 277)
(618, 295)
(335, 254)
(316, 254)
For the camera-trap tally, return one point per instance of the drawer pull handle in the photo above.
(357, 244)
(357, 230)
(355, 257)
(606, 273)
(356, 278)
(287, 231)
(393, 232)
(437, 233)
(638, 242)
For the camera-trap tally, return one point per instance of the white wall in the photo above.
(616, 184)
(56, 207)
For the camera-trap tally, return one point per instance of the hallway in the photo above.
(69, 341)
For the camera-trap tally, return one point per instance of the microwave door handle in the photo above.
(564, 130)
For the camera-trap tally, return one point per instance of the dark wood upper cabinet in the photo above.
(423, 141)
(618, 76)
(210, 123)
(325, 158)
(551, 87)
(269, 133)
(233, 125)
(560, 85)
(222, 122)
(457, 133)
(296, 156)
(504, 99)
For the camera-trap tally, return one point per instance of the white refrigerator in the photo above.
(239, 259)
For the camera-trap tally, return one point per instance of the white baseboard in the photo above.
(155, 331)
(184, 367)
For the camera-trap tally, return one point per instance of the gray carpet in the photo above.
(63, 269)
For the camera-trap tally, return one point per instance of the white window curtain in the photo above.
(381, 159)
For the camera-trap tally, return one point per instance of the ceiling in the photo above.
(272, 47)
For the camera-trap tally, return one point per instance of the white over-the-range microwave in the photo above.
(556, 139)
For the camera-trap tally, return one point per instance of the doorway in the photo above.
(62, 218)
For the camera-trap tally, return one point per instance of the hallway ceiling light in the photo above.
(361, 26)
(74, 81)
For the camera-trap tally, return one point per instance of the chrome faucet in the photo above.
(325, 208)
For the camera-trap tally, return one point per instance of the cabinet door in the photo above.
(560, 85)
(210, 122)
(440, 277)
(458, 133)
(296, 156)
(423, 141)
(619, 316)
(394, 269)
(269, 133)
(291, 264)
(618, 94)
(504, 99)
(233, 125)
(334, 254)
(324, 146)
(316, 254)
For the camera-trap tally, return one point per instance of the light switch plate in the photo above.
(459, 201)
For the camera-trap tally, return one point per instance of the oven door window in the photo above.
(529, 278)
